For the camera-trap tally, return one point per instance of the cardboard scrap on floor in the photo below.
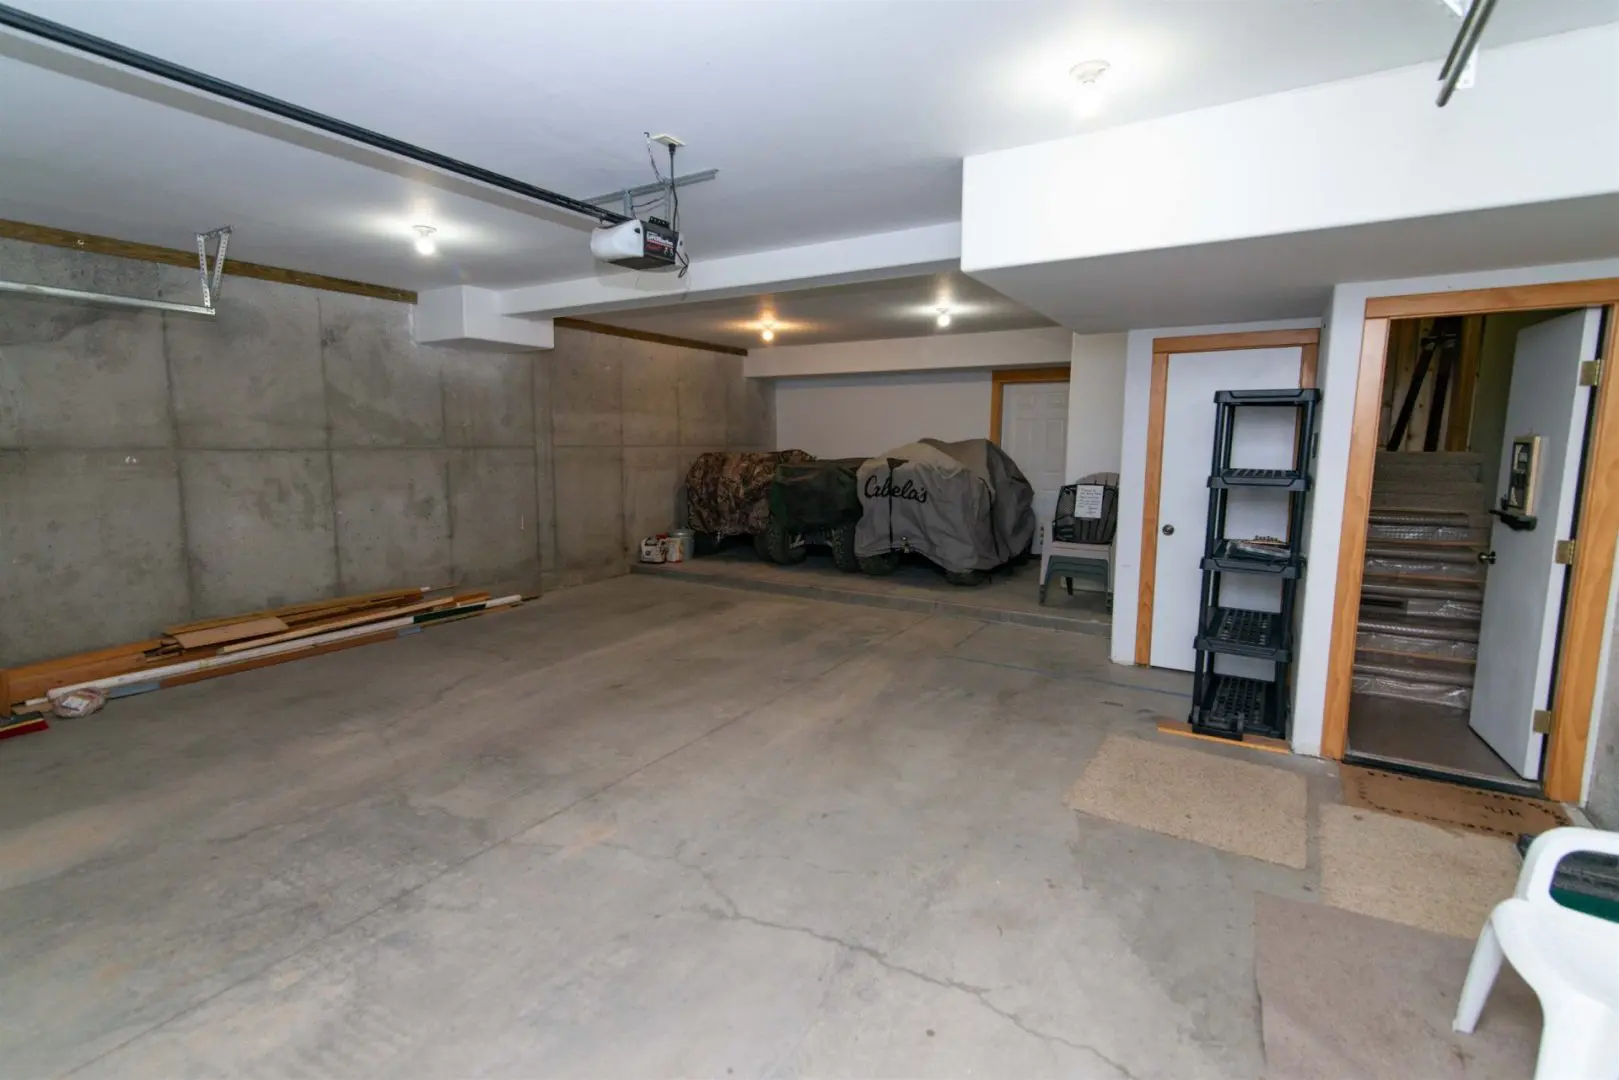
(1346, 995)
(213, 647)
(1493, 812)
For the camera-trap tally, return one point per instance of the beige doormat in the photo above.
(1490, 812)
(1410, 872)
(1343, 995)
(1237, 806)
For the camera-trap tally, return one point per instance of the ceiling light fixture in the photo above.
(1088, 86)
(425, 245)
(943, 319)
(768, 331)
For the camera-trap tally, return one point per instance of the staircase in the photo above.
(1423, 588)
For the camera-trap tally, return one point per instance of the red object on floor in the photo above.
(26, 727)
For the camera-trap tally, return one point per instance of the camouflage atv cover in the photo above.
(728, 491)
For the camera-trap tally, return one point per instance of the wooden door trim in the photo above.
(1001, 377)
(1363, 431)
(1597, 528)
(1308, 341)
(1597, 292)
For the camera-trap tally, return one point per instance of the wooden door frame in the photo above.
(1308, 343)
(1597, 527)
(1002, 376)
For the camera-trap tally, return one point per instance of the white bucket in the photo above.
(682, 545)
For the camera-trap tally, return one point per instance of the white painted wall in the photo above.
(1133, 469)
(1095, 403)
(863, 397)
(1044, 347)
(1339, 369)
(1539, 126)
(863, 415)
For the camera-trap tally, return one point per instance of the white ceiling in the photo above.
(893, 308)
(1281, 277)
(825, 119)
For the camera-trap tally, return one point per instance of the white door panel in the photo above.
(1034, 431)
(1523, 592)
(1263, 439)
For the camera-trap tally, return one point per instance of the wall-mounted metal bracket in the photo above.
(210, 289)
(210, 276)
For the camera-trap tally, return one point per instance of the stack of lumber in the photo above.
(212, 647)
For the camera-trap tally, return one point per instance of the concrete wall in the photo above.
(1602, 753)
(624, 420)
(156, 468)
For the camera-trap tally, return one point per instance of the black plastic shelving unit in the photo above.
(1223, 704)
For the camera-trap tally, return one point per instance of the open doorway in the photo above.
(1482, 436)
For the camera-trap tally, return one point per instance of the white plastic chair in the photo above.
(1569, 959)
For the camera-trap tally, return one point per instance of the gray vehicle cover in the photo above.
(964, 505)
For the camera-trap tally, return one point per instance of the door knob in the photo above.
(1487, 557)
(1169, 530)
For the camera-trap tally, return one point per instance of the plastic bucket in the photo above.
(682, 545)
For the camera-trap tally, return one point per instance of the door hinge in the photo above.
(1542, 722)
(1564, 555)
(1590, 372)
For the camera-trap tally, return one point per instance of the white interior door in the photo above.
(1034, 431)
(1263, 439)
(1523, 593)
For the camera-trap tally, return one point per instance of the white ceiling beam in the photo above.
(925, 249)
(468, 317)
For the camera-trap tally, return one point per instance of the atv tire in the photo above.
(966, 577)
(879, 565)
(761, 546)
(779, 542)
(840, 538)
(706, 543)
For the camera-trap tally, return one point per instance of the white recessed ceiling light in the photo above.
(1088, 86)
(767, 330)
(943, 319)
(425, 244)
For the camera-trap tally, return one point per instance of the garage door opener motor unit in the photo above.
(639, 245)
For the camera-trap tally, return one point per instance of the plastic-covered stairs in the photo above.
(1423, 588)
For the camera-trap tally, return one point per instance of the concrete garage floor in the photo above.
(642, 828)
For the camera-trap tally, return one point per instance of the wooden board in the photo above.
(125, 249)
(1352, 541)
(253, 663)
(1262, 743)
(343, 623)
(291, 613)
(237, 631)
(30, 681)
